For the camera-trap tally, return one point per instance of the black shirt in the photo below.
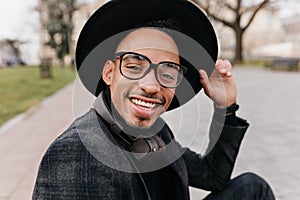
(162, 183)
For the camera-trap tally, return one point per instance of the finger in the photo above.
(224, 67)
(204, 80)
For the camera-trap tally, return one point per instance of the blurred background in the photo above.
(248, 30)
(37, 45)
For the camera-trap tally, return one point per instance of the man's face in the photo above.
(140, 102)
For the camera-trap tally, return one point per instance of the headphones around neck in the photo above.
(141, 146)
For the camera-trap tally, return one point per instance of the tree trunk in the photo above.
(239, 46)
(62, 62)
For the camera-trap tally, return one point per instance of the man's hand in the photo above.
(220, 87)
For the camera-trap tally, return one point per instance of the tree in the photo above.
(12, 48)
(59, 26)
(235, 14)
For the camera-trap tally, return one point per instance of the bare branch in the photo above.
(221, 11)
(227, 5)
(238, 7)
(223, 21)
(248, 9)
(259, 7)
(212, 14)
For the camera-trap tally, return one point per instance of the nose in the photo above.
(149, 83)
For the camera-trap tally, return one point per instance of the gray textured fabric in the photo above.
(69, 171)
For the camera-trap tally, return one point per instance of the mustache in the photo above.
(143, 94)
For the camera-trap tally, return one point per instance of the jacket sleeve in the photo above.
(68, 171)
(212, 172)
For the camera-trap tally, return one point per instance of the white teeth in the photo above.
(143, 103)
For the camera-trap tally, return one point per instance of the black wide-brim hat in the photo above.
(194, 36)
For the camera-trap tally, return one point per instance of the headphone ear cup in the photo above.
(142, 146)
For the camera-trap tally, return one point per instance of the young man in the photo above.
(122, 149)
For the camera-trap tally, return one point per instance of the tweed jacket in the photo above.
(69, 171)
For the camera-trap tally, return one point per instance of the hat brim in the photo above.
(196, 40)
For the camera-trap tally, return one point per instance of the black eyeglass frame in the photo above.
(151, 66)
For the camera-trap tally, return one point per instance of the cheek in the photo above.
(119, 89)
(169, 94)
(116, 82)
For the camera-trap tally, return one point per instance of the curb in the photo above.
(15, 120)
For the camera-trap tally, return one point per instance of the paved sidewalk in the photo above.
(269, 101)
(22, 146)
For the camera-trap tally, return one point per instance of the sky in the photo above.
(19, 20)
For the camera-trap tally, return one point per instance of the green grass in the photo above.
(22, 88)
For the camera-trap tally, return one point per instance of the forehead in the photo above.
(148, 38)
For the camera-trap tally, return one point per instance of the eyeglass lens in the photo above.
(135, 66)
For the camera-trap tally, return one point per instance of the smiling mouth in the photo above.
(143, 104)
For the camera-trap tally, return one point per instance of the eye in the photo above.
(134, 68)
(168, 72)
(167, 77)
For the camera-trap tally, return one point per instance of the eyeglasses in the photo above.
(135, 66)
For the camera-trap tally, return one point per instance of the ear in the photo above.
(107, 72)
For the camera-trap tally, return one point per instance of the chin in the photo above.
(142, 123)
